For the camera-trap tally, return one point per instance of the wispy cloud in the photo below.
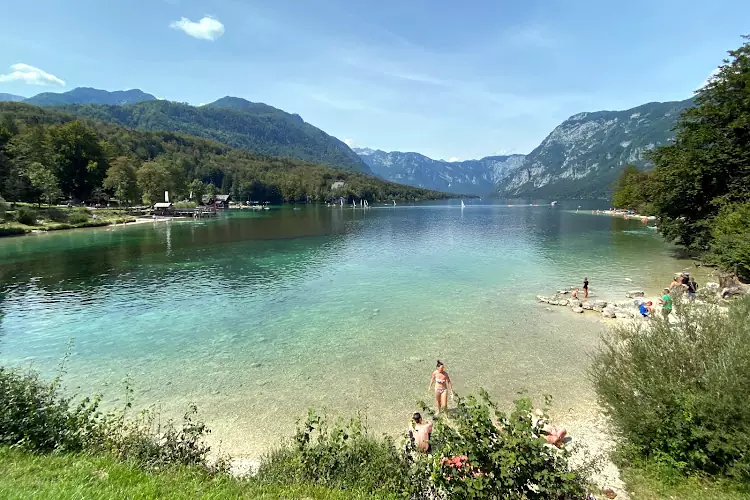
(453, 159)
(350, 142)
(208, 28)
(33, 76)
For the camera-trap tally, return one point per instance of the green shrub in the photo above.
(26, 216)
(79, 217)
(481, 452)
(34, 416)
(343, 456)
(56, 215)
(11, 230)
(185, 204)
(677, 393)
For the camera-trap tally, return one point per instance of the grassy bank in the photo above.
(651, 483)
(27, 475)
(26, 218)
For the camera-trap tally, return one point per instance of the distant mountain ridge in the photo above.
(236, 122)
(87, 95)
(476, 177)
(583, 156)
(11, 97)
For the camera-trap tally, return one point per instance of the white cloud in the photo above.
(208, 28)
(349, 142)
(33, 76)
(452, 159)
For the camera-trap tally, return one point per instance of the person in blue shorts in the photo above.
(645, 309)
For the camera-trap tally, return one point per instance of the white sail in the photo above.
(462, 204)
(394, 203)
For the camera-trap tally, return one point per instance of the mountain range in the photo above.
(236, 122)
(581, 158)
(477, 177)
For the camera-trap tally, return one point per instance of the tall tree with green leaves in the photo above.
(44, 179)
(122, 180)
(631, 189)
(708, 165)
(153, 180)
(196, 189)
(79, 158)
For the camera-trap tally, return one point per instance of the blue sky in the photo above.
(448, 79)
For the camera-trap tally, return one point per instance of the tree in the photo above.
(45, 181)
(708, 165)
(631, 189)
(211, 189)
(122, 180)
(731, 239)
(196, 188)
(79, 158)
(153, 180)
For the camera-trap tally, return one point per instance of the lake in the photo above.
(257, 316)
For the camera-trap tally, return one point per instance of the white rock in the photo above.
(609, 312)
(600, 305)
(714, 287)
(578, 310)
(587, 305)
(635, 293)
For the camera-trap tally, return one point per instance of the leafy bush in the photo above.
(480, 452)
(11, 230)
(344, 456)
(34, 416)
(56, 215)
(26, 216)
(731, 239)
(677, 393)
(185, 204)
(79, 217)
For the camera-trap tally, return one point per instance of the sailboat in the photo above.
(462, 204)
(394, 203)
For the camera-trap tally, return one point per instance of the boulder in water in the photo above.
(609, 312)
(600, 305)
(635, 293)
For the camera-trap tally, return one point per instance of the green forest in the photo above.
(49, 156)
(699, 189)
(235, 122)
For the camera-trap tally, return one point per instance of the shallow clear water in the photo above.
(257, 316)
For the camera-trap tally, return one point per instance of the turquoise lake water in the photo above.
(257, 316)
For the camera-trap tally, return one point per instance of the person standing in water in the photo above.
(442, 382)
(585, 288)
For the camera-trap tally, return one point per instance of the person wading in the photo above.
(442, 382)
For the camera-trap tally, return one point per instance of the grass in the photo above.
(27, 475)
(648, 483)
(80, 218)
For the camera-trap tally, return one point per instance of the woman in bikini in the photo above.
(442, 383)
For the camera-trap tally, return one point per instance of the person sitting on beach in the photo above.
(645, 309)
(575, 293)
(419, 433)
(552, 434)
(442, 382)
